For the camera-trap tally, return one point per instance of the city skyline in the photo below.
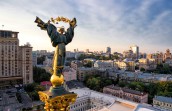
(118, 24)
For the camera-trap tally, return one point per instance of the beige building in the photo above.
(83, 72)
(128, 54)
(125, 65)
(25, 63)
(15, 60)
(76, 64)
(121, 64)
(157, 56)
(69, 74)
(147, 64)
(125, 93)
(167, 55)
(163, 102)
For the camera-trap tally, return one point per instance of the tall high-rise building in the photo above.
(15, 60)
(108, 50)
(135, 50)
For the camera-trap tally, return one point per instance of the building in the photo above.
(163, 102)
(108, 50)
(70, 54)
(125, 93)
(48, 61)
(34, 58)
(82, 72)
(131, 65)
(25, 63)
(128, 54)
(157, 56)
(46, 84)
(142, 55)
(147, 64)
(73, 84)
(125, 65)
(87, 51)
(135, 50)
(121, 65)
(89, 100)
(15, 60)
(76, 64)
(8, 100)
(143, 77)
(104, 64)
(41, 52)
(69, 74)
(167, 55)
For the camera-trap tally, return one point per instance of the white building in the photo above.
(89, 100)
(70, 54)
(135, 50)
(48, 61)
(104, 64)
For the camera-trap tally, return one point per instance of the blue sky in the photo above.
(101, 23)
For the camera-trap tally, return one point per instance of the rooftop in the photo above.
(74, 84)
(126, 90)
(163, 99)
(116, 104)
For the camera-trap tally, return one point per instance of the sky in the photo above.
(100, 23)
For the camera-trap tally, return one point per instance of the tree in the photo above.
(142, 69)
(40, 75)
(32, 90)
(29, 87)
(121, 84)
(41, 59)
(163, 69)
(115, 57)
(88, 64)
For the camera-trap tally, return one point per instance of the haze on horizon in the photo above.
(115, 23)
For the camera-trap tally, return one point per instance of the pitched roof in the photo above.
(163, 99)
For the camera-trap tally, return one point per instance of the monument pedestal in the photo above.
(58, 99)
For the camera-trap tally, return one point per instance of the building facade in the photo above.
(167, 55)
(128, 54)
(34, 58)
(163, 102)
(25, 63)
(83, 72)
(135, 50)
(108, 50)
(69, 74)
(147, 64)
(76, 64)
(15, 60)
(104, 64)
(125, 93)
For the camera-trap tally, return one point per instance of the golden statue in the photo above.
(57, 98)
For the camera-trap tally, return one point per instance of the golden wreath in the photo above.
(60, 19)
